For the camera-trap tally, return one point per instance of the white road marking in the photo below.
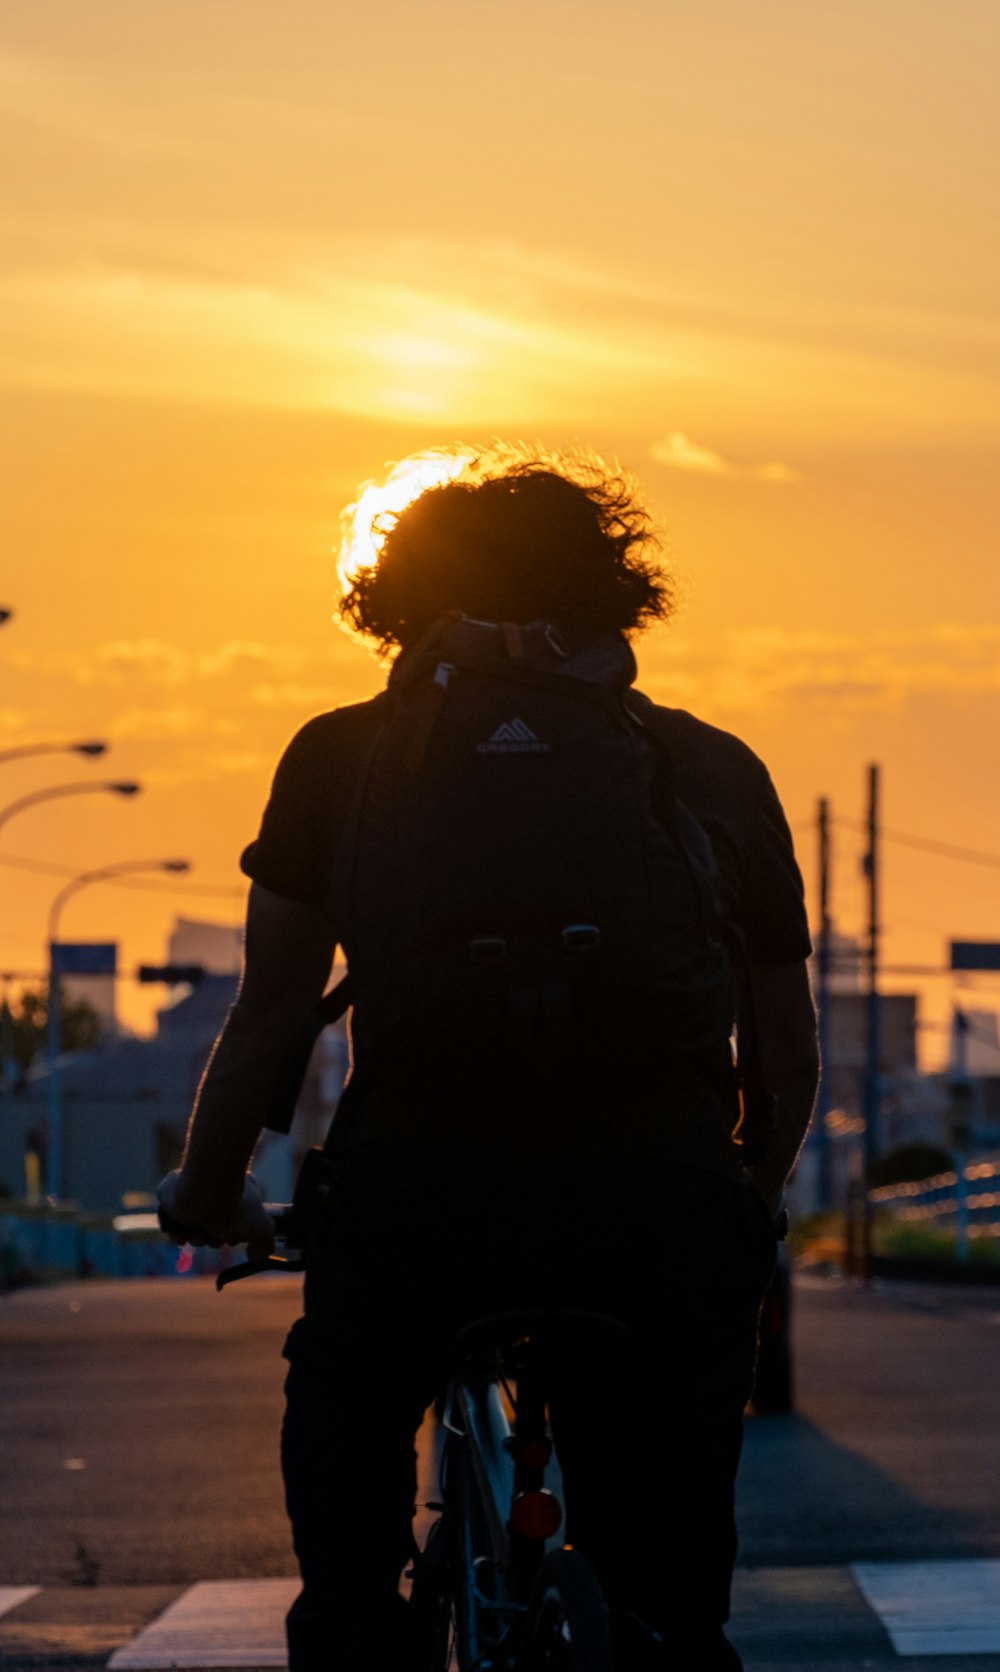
(227, 1623)
(927, 1608)
(935, 1608)
(11, 1595)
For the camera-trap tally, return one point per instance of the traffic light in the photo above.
(173, 975)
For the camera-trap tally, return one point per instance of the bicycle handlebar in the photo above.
(293, 1222)
(281, 1218)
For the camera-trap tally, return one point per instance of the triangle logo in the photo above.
(513, 737)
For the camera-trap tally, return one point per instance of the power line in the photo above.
(926, 844)
(45, 868)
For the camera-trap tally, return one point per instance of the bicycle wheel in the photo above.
(431, 1609)
(567, 1627)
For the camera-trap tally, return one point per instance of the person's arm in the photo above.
(288, 955)
(785, 1020)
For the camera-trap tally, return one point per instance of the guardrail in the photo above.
(57, 1241)
(964, 1201)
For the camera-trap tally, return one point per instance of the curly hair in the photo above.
(514, 540)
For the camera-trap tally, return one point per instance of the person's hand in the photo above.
(201, 1221)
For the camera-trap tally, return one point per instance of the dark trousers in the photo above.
(420, 1240)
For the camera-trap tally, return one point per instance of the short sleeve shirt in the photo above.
(687, 1119)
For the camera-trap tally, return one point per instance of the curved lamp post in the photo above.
(105, 873)
(53, 1029)
(24, 749)
(57, 790)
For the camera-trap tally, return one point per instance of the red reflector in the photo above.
(534, 1454)
(535, 1515)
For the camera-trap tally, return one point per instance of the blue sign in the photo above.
(84, 957)
(975, 955)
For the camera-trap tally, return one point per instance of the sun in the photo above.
(361, 541)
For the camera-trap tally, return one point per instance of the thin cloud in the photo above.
(293, 695)
(679, 452)
(157, 662)
(759, 667)
(157, 724)
(125, 658)
(249, 656)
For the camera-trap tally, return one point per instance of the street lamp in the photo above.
(55, 790)
(177, 867)
(24, 749)
(53, 1029)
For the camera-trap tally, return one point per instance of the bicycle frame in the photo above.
(486, 1565)
(498, 1516)
(477, 1483)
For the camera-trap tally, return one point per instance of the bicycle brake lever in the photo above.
(251, 1268)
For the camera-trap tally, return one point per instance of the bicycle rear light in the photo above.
(535, 1515)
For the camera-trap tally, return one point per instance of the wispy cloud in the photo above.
(207, 766)
(157, 662)
(42, 93)
(165, 723)
(292, 695)
(679, 452)
(467, 334)
(127, 658)
(757, 667)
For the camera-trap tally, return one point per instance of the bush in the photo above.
(906, 1241)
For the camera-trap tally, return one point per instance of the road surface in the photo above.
(138, 1456)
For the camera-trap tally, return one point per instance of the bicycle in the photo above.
(490, 1592)
(488, 1584)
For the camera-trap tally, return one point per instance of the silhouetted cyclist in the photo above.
(557, 900)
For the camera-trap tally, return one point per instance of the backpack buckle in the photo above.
(488, 949)
(581, 937)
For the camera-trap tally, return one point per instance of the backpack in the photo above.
(522, 886)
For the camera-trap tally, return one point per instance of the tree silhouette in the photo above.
(25, 1027)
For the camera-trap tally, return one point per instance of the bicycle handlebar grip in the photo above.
(173, 1228)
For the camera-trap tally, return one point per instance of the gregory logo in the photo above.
(513, 738)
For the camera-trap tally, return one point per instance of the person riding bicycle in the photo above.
(527, 1122)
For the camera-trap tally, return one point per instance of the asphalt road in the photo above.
(138, 1443)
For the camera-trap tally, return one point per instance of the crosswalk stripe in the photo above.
(943, 1608)
(217, 1623)
(935, 1608)
(11, 1596)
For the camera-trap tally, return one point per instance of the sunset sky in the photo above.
(252, 252)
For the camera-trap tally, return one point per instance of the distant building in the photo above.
(909, 1112)
(975, 1041)
(847, 1047)
(217, 947)
(845, 963)
(126, 1103)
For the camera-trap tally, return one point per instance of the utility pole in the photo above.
(961, 1127)
(824, 1188)
(873, 1054)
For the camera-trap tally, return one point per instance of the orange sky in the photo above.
(253, 251)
